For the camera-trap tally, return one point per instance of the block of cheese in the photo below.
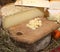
(11, 9)
(36, 3)
(20, 17)
(54, 15)
(55, 5)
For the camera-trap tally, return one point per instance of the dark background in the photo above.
(4, 2)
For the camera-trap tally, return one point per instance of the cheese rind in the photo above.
(20, 17)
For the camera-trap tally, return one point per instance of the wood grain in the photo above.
(30, 36)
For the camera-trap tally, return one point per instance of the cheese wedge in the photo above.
(20, 17)
(11, 9)
(54, 15)
(55, 5)
(36, 3)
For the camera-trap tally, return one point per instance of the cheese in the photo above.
(54, 15)
(20, 17)
(11, 9)
(36, 3)
(55, 5)
(34, 23)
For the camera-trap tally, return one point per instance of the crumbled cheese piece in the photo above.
(35, 23)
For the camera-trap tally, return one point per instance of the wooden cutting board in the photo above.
(22, 33)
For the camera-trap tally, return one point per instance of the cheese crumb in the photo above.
(35, 23)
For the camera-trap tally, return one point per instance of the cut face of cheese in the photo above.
(55, 5)
(54, 15)
(20, 17)
(11, 9)
(36, 3)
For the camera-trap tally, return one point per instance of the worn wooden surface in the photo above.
(27, 35)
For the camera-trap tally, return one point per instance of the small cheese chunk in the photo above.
(35, 23)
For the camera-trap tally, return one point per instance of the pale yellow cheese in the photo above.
(55, 5)
(36, 3)
(11, 9)
(54, 15)
(20, 17)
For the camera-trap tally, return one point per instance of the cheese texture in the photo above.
(54, 15)
(35, 23)
(11, 9)
(36, 3)
(20, 17)
(55, 5)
